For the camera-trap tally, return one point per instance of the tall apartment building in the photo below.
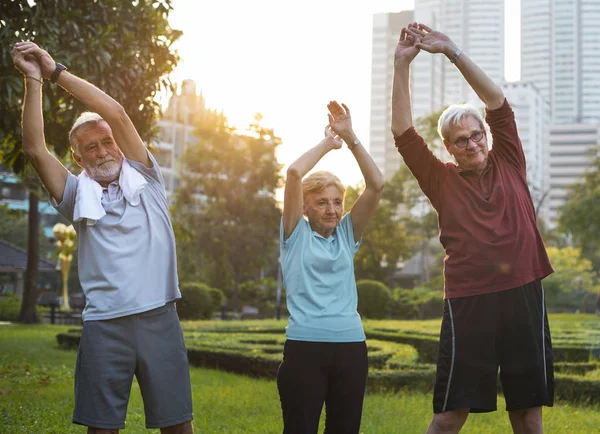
(477, 26)
(177, 132)
(386, 31)
(572, 147)
(532, 116)
(560, 54)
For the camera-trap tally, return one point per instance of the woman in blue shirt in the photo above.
(325, 355)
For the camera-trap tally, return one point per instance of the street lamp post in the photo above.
(65, 244)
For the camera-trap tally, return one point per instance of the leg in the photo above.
(104, 373)
(302, 385)
(467, 369)
(163, 371)
(527, 421)
(448, 422)
(182, 428)
(102, 431)
(525, 350)
(344, 401)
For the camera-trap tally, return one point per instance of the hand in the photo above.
(340, 121)
(406, 50)
(433, 41)
(332, 140)
(26, 64)
(45, 61)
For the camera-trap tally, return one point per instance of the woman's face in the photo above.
(324, 210)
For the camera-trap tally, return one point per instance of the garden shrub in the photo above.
(10, 307)
(374, 299)
(418, 303)
(196, 301)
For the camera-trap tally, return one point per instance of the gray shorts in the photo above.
(148, 345)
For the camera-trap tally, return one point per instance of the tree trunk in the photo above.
(28, 306)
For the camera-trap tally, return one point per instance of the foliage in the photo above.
(580, 216)
(262, 294)
(385, 236)
(196, 301)
(572, 275)
(225, 210)
(13, 230)
(10, 306)
(374, 299)
(417, 303)
(125, 48)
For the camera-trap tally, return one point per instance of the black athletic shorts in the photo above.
(507, 330)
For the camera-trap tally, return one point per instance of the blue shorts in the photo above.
(148, 345)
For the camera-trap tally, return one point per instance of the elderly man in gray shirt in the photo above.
(127, 262)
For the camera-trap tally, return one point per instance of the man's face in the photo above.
(474, 155)
(97, 152)
(324, 210)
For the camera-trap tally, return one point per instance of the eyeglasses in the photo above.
(462, 142)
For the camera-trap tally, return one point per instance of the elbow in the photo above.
(116, 114)
(293, 173)
(377, 184)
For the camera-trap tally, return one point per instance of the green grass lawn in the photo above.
(36, 396)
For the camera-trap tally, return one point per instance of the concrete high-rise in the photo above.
(560, 55)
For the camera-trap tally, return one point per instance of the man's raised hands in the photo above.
(31, 50)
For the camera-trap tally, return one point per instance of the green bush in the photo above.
(374, 299)
(10, 307)
(217, 297)
(418, 303)
(262, 294)
(196, 301)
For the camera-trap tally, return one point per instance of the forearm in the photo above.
(34, 141)
(489, 92)
(94, 98)
(401, 108)
(308, 160)
(371, 173)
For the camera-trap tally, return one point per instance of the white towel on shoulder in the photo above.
(88, 201)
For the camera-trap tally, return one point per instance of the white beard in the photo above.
(107, 172)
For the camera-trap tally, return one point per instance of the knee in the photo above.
(529, 420)
(182, 428)
(449, 421)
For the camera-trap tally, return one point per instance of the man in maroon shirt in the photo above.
(494, 311)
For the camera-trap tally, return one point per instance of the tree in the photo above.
(580, 216)
(573, 276)
(225, 210)
(125, 48)
(385, 236)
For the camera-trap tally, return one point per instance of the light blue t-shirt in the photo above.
(319, 282)
(127, 261)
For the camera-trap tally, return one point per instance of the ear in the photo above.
(447, 144)
(77, 159)
(305, 209)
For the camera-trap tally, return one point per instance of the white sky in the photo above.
(286, 60)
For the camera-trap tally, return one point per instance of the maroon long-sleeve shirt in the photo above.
(487, 222)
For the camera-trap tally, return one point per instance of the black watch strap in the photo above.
(59, 68)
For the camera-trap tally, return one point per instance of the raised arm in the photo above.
(52, 173)
(405, 52)
(364, 208)
(293, 202)
(111, 111)
(436, 42)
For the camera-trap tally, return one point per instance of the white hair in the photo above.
(454, 115)
(84, 118)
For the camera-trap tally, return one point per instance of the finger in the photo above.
(413, 32)
(337, 109)
(424, 27)
(331, 120)
(403, 34)
(346, 108)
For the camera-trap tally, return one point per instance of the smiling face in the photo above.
(472, 157)
(97, 152)
(324, 209)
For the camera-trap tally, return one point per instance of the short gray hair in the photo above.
(84, 118)
(454, 115)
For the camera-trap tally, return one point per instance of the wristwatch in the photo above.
(354, 144)
(59, 68)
